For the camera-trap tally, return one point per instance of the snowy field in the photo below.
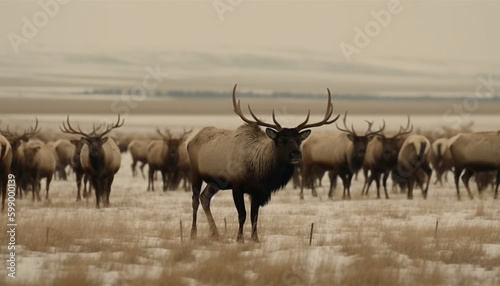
(138, 240)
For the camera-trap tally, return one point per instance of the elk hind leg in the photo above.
(47, 186)
(465, 178)
(196, 187)
(458, 172)
(205, 198)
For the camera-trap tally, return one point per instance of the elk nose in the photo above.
(295, 157)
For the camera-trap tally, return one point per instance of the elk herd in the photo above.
(249, 160)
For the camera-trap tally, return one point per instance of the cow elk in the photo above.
(475, 152)
(412, 159)
(40, 163)
(246, 160)
(139, 151)
(99, 157)
(342, 154)
(163, 156)
(64, 150)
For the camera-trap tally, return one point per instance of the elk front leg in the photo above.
(239, 202)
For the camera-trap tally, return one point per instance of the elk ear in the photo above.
(350, 137)
(304, 134)
(271, 133)
(104, 140)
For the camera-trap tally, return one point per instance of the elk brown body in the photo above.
(40, 163)
(100, 157)
(246, 160)
(473, 152)
(139, 152)
(342, 154)
(412, 159)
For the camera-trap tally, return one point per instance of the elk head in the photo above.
(15, 140)
(95, 139)
(391, 145)
(173, 144)
(286, 140)
(359, 142)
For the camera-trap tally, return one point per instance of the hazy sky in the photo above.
(450, 30)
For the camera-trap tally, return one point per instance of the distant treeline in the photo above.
(278, 95)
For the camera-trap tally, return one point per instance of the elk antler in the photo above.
(167, 136)
(111, 127)
(67, 128)
(237, 110)
(70, 130)
(328, 114)
(369, 132)
(185, 134)
(276, 125)
(406, 130)
(345, 129)
(26, 134)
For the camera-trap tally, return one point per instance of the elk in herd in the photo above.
(412, 159)
(382, 157)
(18, 166)
(64, 150)
(139, 151)
(99, 157)
(440, 159)
(40, 163)
(80, 174)
(342, 154)
(5, 164)
(163, 155)
(475, 152)
(246, 160)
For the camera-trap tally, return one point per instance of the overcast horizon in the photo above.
(426, 47)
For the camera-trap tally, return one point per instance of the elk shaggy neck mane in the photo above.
(261, 159)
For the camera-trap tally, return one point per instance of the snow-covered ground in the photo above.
(138, 240)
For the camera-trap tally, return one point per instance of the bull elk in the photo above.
(341, 153)
(5, 164)
(100, 157)
(246, 160)
(474, 152)
(382, 157)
